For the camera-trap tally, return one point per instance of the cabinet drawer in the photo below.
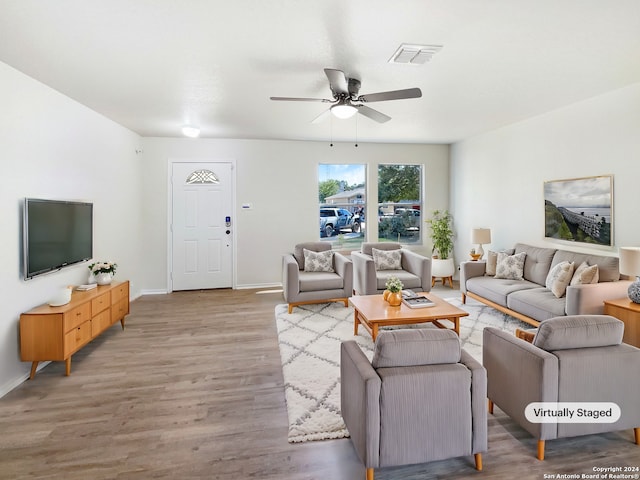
(78, 315)
(77, 337)
(119, 293)
(98, 304)
(100, 322)
(119, 310)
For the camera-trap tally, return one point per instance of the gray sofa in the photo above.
(529, 300)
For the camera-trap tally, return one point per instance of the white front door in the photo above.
(202, 245)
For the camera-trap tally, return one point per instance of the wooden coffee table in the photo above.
(372, 312)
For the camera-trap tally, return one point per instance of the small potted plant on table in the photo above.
(394, 287)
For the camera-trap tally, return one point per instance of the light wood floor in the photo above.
(193, 389)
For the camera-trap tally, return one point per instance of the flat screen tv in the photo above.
(56, 234)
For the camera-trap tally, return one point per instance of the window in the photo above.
(342, 204)
(399, 203)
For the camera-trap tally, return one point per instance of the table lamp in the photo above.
(480, 236)
(630, 265)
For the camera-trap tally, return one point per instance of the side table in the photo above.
(629, 312)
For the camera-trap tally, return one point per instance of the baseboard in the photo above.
(151, 292)
(10, 385)
(258, 285)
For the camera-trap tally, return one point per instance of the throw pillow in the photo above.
(387, 259)
(510, 267)
(492, 263)
(585, 274)
(558, 278)
(318, 261)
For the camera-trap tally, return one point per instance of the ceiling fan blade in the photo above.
(302, 99)
(372, 114)
(322, 116)
(392, 95)
(337, 80)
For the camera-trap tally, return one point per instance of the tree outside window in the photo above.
(399, 203)
(342, 204)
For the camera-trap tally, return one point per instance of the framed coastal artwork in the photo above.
(579, 210)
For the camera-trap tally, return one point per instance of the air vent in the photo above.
(414, 54)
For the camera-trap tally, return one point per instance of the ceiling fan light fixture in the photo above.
(343, 111)
(190, 131)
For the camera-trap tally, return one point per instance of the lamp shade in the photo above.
(343, 111)
(630, 261)
(481, 235)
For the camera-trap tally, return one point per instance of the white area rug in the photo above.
(309, 340)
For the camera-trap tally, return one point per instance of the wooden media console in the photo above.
(55, 333)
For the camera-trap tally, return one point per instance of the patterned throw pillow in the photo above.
(558, 278)
(585, 274)
(318, 261)
(510, 267)
(387, 259)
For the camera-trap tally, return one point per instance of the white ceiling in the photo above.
(154, 65)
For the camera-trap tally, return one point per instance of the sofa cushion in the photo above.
(318, 261)
(510, 267)
(585, 274)
(368, 246)
(314, 281)
(579, 331)
(298, 251)
(408, 279)
(537, 303)
(495, 289)
(608, 270)
(387, 259)
(538, 262)
(558, 278)
(412, 347)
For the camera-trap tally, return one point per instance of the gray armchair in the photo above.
(415, 271)
(304, 287)
(422, 398)
(578, 358)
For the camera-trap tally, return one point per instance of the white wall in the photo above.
(280, 179)
(53, 147)
(497, 177)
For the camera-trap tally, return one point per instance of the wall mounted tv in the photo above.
(56, 234)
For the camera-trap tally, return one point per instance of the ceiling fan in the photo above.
(347, 101)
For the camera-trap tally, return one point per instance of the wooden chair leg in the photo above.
(369, 473)
(490, 406)
(290, 308)
(636, 431)
(540, 449)
(478, 457)
(464, 299)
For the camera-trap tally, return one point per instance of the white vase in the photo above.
(103, 278)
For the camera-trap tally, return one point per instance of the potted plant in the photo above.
(441, 234)
(394, 287)
(103, 272)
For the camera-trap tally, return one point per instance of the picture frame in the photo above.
(579, 210)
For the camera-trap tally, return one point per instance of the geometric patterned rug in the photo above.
(309, 340)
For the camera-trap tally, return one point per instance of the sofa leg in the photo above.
(478, 458)
(369, 473)
(490, 406)
(290, 308)
(636, 431)
(346, 302)
(540, 449)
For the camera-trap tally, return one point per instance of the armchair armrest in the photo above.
(478, 402)
(344, 268)
(519, 373)
(364, 274)
(360, 402)
(588, 299)
(290, 277)
(470, 270)
(419, 265)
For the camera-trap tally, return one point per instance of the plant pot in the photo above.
(442, 268)
(103, 278)
(385, 295)
(395, 299)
